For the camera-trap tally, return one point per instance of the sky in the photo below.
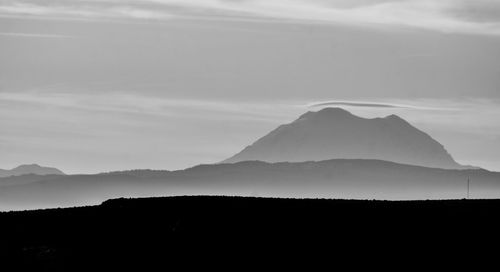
(100, 85)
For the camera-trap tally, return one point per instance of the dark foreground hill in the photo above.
(203, 230)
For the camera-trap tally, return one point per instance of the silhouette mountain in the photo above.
(338, 178)
(334, 133)
(27, 169)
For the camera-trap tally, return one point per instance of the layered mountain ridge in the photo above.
(338, 178)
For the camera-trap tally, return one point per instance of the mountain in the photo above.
(338, 178)
(27, 169)
(334, 133)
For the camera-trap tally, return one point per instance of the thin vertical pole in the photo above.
(468, 187)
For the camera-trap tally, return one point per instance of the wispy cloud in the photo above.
(153, 106)
(34, 35)
(374, 105)
(82, 10)
(464, 16)
(418, 110)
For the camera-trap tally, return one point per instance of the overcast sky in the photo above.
(99, 85)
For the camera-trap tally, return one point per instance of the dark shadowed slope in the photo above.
(334, 133)
(358, 179)
(27, 169)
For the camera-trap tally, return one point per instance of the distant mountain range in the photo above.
(27, 169)
(326, 154)
(339, 178)
(334, 133)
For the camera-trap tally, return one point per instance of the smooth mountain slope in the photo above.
(334, 133)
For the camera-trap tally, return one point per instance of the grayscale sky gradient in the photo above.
(101, 85)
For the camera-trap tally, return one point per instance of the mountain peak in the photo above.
(28, 166)
(394, 117)
(334, 111)
(327, 113)
(334, 133)
(33, 168)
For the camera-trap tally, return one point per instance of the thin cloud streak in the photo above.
(35, 35)
(83, 11)
(445, 15)
(460, 16)
(374, 105)
(272, 112)
(153, 106)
